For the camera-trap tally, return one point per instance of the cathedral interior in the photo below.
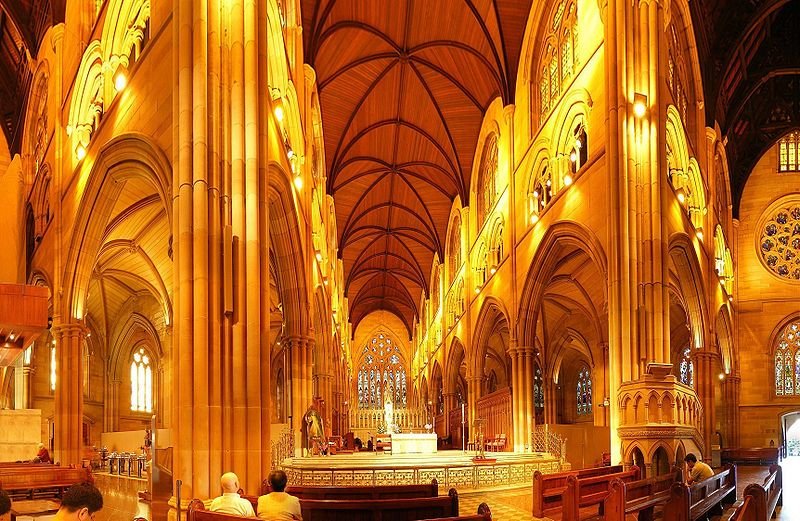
(247, 235)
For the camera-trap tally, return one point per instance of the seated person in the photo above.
(278, 505)
(230, 502)
(43, 456)
(80, 503)
(698, 471)
(5, 503)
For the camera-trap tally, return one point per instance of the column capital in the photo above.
(70, 329)
(709, 355)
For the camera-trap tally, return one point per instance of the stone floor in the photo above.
(121, 503)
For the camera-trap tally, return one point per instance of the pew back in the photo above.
(547, 488)
(380, 509)
(690, 503)
(382, 492)
(42, 483)
(754, 456)
(584, 492)
(742, 510)
(638, 497)
(766, 497)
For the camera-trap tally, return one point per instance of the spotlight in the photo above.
(681, 195)
(639, 105)
(578, 144)
(493, 270)
(567, 180)
(298, 182)
(278, 111)
(80, 151)
(536, 194)
(534, 218)
(477, 289)
(319, 256)
(721, 376)
(699, 233)
(573, 157)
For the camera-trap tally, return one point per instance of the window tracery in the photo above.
(789, 152)
(141, 382)
(541, 193)
(676, 73)
(779, 244)
(381, 369)
(723, 262)
(584, 392)
(487, 179)
(559, 60)
(787, 361)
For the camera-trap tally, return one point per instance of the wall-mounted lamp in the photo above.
(639, 105)
(120, 79)
(319, 256)
(80, 151)
(721, 376)
(606, 402)
(681, 194)
(699, 233)
(568, 177)
(534, 218)
(298, 182)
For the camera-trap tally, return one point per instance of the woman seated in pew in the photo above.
(43, 456)
(698, 471)
(278, 505)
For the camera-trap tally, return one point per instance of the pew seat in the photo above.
(587, 492)
(768, 496)
(750, 456)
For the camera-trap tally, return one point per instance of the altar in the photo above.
(414, 443)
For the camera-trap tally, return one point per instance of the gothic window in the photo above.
(687, 368)
(723, 262)
(542, 192)
(455, 249)
(559, 59)
(780, 242)
(676, 73)
(787, 361)
(381, 369)
(584, 392)
(789, 152)
(579, 153)
(141, 382)
(487, 179)
(538, 389)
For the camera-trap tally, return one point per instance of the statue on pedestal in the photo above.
(315, 431)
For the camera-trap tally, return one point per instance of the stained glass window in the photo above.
(789, 153)
(687, 368)
(779, 246)
(382, 369)
(584, 391)
(787, 361)
(141, 382)
(538, 389)
(559, 59)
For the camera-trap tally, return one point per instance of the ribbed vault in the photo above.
(403, 88)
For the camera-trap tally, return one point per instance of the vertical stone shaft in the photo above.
(69, 393)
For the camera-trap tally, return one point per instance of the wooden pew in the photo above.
(585, 492)
(690, 503)
(767, 497)
(361, 510)
(742, 510)
(639, 498)
(381, 492)
(547, 488)
(753, 456)
(34, 484)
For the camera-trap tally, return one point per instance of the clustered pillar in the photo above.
(68, 416)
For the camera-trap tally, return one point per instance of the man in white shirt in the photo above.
(230, 502)
(278, 505)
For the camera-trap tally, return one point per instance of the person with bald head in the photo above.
(230, 502)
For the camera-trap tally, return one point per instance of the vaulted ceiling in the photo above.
(23, 24)
(403, 88)
(749, 54)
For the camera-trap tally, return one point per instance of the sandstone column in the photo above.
(68, 415)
